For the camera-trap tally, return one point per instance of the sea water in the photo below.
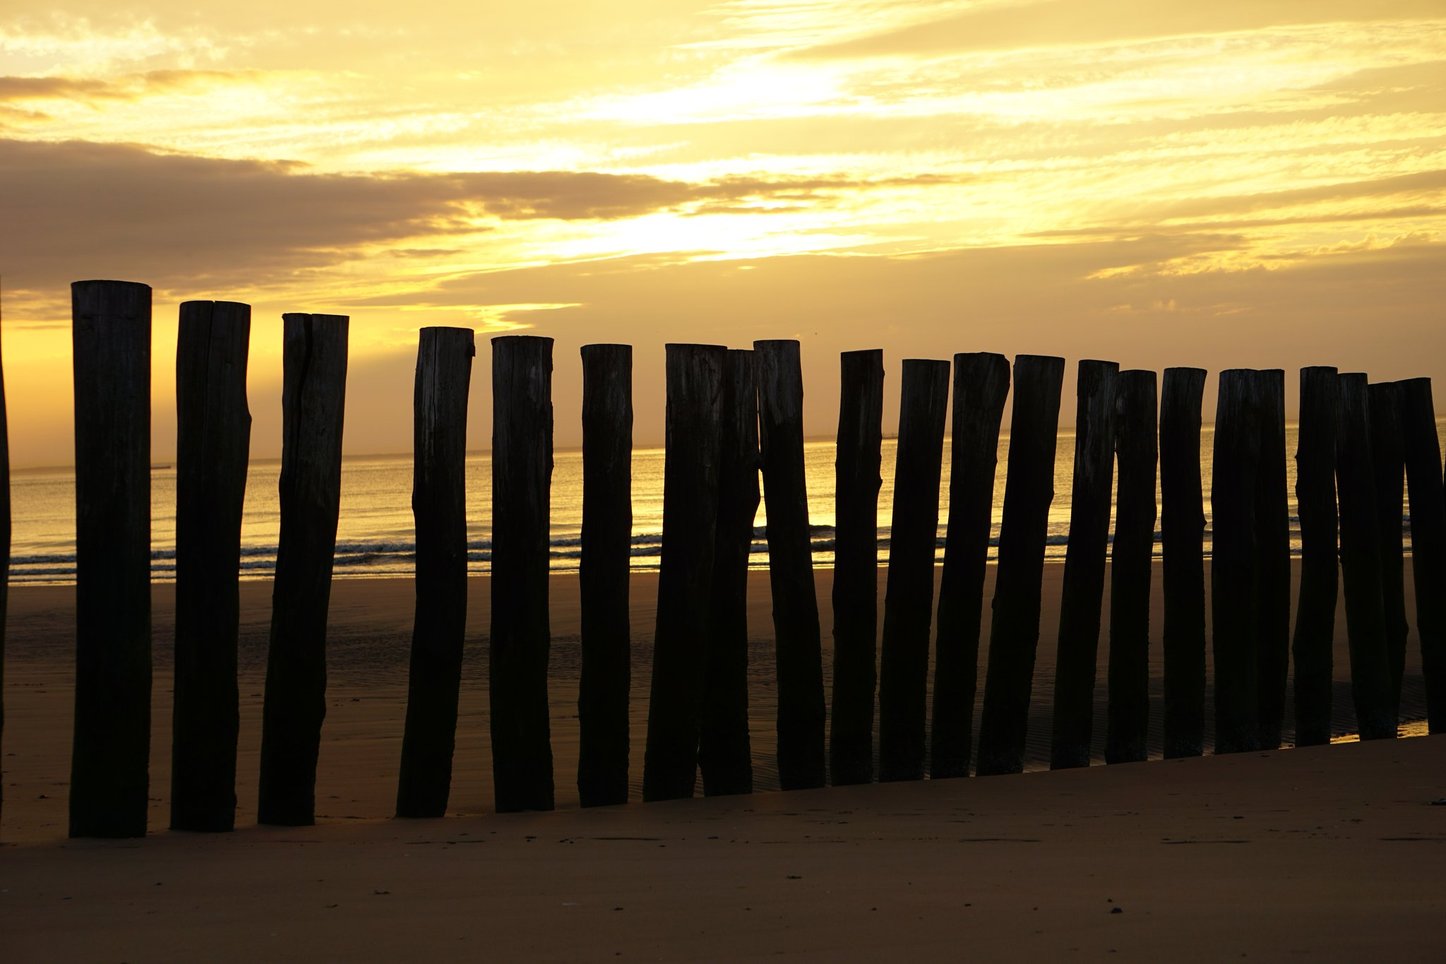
(376, 537)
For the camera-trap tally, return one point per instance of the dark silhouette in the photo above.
(857, 479)
(213, 441)
(1082, 592)
(607, 539)
(725, 757)
(685, 582)
(110, 764)
(439, 505)
(521, 632)
(909, 601)
(795, 605)
(981, 385)
(1014, 633)
(313, 401)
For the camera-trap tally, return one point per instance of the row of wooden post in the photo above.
(731, 417)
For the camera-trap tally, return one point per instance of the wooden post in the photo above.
(1235, 562)
(1388, 456)
(1272, 516)
(1182, 530)
(1014, 633)
(801, 711)
(313, 401)
(607, 542)
(1130, 560)
(439, 506)
(685, 582)
(520, 633)
(909, 601)
(109, 775)
(856, 565)
(1082, 594)
(1428, 540)
(981, 385)
(1361, 563)
(1315, 495)
(725, 756)
(213, 444)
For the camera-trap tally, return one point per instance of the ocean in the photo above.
(375, 535)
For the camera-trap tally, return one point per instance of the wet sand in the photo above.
(1332, 851)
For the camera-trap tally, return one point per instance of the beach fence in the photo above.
(733, 417)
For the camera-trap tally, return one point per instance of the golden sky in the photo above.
(1238, 183)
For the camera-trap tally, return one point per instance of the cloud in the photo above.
(1375, 309)
(51, 88)
(1040, 23)
(82, 209)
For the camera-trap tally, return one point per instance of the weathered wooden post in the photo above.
(1428, 540)
(1315, 495)
(607, 541)
(909, 600)
(1272, 520)
(109, 775)
(981, 385)
(856, 565)
(1130, 560)
(213, 438)
(313, 401)
(439, 506)
(1235, 562)
(1014, 633)
(1388, 456)
(521, 632)
(1182, 530)
(801, 713)
(1361, 563)
(725, 755)
(685, 582)
(1082, 594)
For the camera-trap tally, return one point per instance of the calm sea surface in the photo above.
(375, 535)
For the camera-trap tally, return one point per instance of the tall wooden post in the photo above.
(1315, 495)
(685, 582)
(1361, 563)
(1182, 531)
(1428, 540)
(109, 775)
(313, 401)
(1235, 562)
(1014, 633)
(801, 713)
(725, 756)
(521, 632)
(1388, 456)
(981, 385)
(607, 540)
(1131, 557)
(439, 506)
(213, 440)
(909, 601)
(1082, 594)
(856, 565)
(1273, 546)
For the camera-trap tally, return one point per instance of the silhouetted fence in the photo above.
(731, 416)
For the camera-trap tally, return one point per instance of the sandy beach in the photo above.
(1326, 851)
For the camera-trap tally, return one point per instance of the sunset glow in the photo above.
(1223, 185)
